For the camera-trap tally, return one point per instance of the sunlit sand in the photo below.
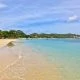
(18, 63)
(3, 42)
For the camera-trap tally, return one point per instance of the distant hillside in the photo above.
(20, 34)
(12, 34)
(43, 35)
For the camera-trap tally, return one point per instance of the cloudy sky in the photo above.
(42, 16)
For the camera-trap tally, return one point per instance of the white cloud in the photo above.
(73, 18)
(2, 5)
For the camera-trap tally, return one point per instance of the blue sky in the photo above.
(42, 16)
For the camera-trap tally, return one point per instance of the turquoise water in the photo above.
(65, 53)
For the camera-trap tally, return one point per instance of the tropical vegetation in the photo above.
(20, 34)
(12, 34)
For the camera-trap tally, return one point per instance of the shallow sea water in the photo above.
(41, 59)
(65, 53)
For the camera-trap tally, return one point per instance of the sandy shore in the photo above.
(22, 63)
(3, 42)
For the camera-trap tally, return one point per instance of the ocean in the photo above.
(65, 53)
(41, 59)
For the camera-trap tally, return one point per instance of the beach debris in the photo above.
(10, 44)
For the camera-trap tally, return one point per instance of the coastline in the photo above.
(28, 63)
(4, 42)
(51, 38)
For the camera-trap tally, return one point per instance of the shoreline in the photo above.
(50, 38)
(4, 42)
(28, 63)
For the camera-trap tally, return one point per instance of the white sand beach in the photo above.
(24, 64)
(3, 42)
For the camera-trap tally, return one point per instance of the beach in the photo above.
(4, 42)
(23, 63)
(53, 59)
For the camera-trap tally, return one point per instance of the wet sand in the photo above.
(20, 63)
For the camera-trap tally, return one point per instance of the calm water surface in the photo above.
(64, 52)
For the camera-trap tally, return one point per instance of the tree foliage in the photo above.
(20, 34)
(12, 34)
(43, 35)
